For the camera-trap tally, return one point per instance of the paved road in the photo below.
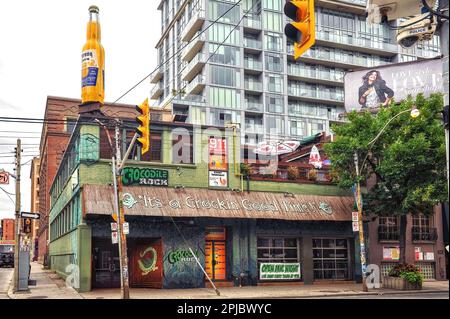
(5, 278)
(430, 295)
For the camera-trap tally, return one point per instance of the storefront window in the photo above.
(278, 250)
(331, 258)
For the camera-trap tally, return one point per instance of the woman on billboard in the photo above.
(374, 91)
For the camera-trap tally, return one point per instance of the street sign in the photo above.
(126, 228)
(355, 226)
(4, 178)
(113, 226)
(30, 215)
(355, 217)
(114, 237)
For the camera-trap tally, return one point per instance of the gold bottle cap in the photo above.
(94, 9)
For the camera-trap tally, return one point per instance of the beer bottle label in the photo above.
(89, 64)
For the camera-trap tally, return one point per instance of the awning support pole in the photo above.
(198, 262)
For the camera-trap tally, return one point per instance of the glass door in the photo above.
(106, 264)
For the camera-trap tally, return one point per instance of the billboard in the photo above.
(376, 87)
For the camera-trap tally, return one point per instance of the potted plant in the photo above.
(293, 173)
(312, 174)
(403, 277)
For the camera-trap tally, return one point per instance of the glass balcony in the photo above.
(194, 46)
(252, 44)
(196, 85)
(158, 75)
(356, 42)
(253, 86)
(358, 2)
(298, 71)
(252, 22)
(254, 128)
(189, 99)
(157, 91)
(194, 67)
(194, 24)
(254, 106)
(337, 57)
(315, 94)
(253, 64)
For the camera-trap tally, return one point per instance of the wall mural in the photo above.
(147, 261)
(180, 267)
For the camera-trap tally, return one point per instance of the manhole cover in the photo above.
(38, 297)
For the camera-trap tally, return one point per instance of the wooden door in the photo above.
(215, 259)
(146, 265)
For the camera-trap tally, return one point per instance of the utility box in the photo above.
(24, 270)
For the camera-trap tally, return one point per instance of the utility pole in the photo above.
(17, 226)
(362, 245)
(123, 256)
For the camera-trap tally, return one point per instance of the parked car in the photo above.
(6, 255)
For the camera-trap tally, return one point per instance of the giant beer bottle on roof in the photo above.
(93, 62)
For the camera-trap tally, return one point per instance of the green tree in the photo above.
(406, 163)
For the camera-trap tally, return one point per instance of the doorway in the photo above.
(215, 253)
(146, 263)
(106, 264)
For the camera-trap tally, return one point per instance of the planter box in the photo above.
(400, 284)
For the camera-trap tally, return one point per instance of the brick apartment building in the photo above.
(7, 229)
(34, 177)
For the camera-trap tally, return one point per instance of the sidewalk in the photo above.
(50, 286)
(260, 292)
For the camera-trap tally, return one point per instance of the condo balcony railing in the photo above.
(198, 81)
(157, 90)
(338, 57)
(252, 43)
(253, 64)
(424, 234)
(296, 70)
(196, 42)
(252, 22)
(254, 106)
(189, 99)
(358, 2)
(254, 128)
(356, 41)
(317, 94)
(388, 233)
(193, 25)
(253, 85)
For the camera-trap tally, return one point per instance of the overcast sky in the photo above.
(40, 55)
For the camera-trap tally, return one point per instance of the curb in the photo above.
(408, 292)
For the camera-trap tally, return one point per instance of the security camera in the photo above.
(415, 29)
(390, 10)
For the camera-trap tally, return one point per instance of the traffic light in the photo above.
(302, 30)
(27, 225)
(144, 126)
